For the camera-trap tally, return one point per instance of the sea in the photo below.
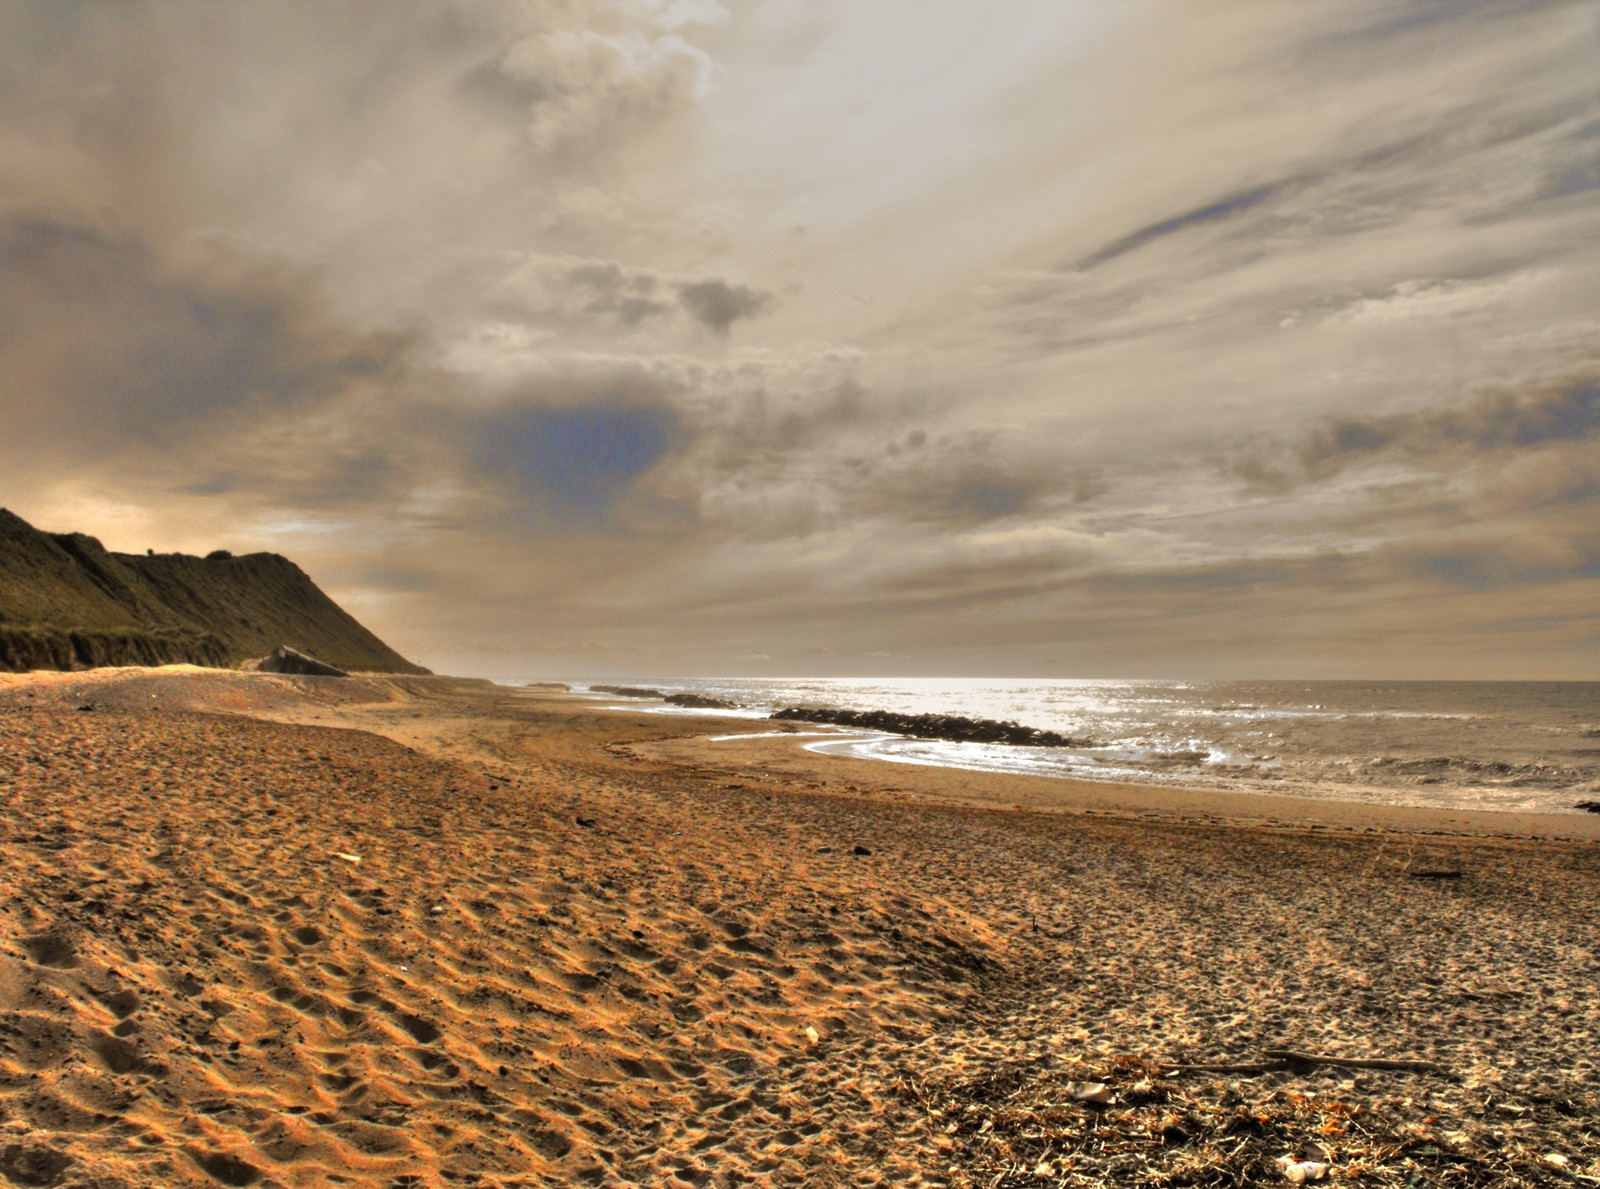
(1509, 746)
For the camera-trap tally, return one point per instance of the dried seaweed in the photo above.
(1009, 1125)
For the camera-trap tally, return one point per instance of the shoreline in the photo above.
(275, 930)
(996, 754)
(1064, 795)
(769, 747)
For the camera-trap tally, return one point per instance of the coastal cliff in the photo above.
(67, 602)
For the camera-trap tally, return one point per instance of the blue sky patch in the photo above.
(576, 461)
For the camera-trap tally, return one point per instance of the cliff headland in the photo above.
(66, 602)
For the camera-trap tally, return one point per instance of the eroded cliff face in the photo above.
(67, 602)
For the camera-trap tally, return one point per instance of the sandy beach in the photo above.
(281, 931)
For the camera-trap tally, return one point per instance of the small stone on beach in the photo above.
(1094, 1093)
(1300, 1171)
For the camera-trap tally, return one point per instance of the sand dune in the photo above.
(495, 939)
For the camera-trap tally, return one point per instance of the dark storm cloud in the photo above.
(717, 305)
(1566, 412)
(101, 337)
(629, 294)
(568, 292)
(1556, 411)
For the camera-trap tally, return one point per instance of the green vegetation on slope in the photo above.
(65, 602)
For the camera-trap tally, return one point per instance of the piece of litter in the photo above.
(1300, 1171)
(812, 1034)
(1557, 1159)
(1096, 1093)
(339, 854)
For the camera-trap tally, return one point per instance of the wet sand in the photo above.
(413, 932)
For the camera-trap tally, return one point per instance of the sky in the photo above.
(1045, 338)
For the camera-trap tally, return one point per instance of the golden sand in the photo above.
(263, 930)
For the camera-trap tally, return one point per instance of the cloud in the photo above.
(107, 346)
(568, 292)
(1552, 411)
(1406, 300)
(717, 305)
(584, 82)
(1565, 412)
(1144, 340)
(1221, 209)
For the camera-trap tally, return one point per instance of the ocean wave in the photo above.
(1502, 745)
(1501, 772)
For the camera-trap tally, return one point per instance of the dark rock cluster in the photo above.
(701, 702)
(953, 728)
(289, 660)
(625, 691)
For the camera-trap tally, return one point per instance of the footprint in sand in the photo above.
(51, 949)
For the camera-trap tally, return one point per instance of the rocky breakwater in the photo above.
(625, 691)
(701, 702)
(951, 728)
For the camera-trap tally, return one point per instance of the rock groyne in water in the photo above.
(701, 702)
(952, 728)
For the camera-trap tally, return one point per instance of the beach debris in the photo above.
(1590, 806)
(824, 850)
(1300, 1171)
(586, 822)
(347, 857)
(87, 707)
(1094, 1093)
(1276, 1059)
(812, 1034)
(1436, 873)
(1006, 1114)
(858, 849)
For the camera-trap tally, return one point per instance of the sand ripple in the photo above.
(243, 952)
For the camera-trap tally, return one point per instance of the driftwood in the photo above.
(1275, 1059)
